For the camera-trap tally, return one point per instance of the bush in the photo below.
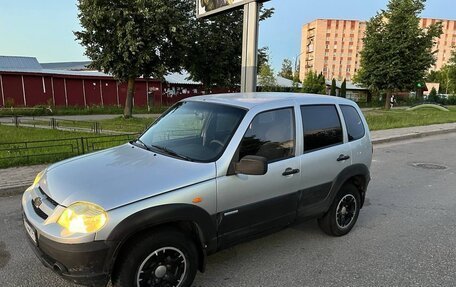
(451, 100)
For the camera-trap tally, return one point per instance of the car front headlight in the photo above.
(83, 217)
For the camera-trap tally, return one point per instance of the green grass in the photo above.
(382, 120)
(10, 134)
(27, 146)
(117, 125)
(120, 124)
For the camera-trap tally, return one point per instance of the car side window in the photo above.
(322, 127)
(355, 127)
(271, 135)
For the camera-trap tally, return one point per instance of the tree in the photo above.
(321, 84)
(343, 89)
(266, 79)
(130, 39)
(333, 88)
(446, 77)
(287, 69)
(397, 52)
(263, 57)
(433, 97)
(214, 52)
(314, 83)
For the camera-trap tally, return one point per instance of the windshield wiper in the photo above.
(171, 152)
(143, 144)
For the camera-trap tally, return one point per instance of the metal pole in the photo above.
(250, 48)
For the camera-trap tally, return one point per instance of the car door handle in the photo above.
(343, 157)
(290, 171)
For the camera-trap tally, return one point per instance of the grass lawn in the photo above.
(27, 146)
(382, 120)
(136, 125)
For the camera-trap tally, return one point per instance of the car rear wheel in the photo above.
(343, 213)
(165, 258)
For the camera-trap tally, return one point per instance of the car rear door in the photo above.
(325, 154)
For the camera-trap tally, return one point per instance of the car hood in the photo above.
(118, 176)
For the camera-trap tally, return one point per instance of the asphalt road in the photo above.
(405, 235)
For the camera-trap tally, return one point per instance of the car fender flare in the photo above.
(149, 218)
(348, 173)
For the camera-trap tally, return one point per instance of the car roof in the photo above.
(250, 100)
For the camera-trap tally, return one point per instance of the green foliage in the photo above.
(132, 38)
(433, 97)
(314, 83)
(287, 69)
(343, 89)
(263, 56)
(266, 78)
(446, 77)
(214, 48)
(397, 52)
(333, 88)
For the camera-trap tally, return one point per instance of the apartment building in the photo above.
(332, 47)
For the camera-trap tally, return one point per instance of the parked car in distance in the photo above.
(209, 173)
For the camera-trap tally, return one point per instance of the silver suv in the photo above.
(209, 173)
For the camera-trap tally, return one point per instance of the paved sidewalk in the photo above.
(15, 180)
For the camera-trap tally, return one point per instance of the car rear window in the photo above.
(355, 127)
(322, 127)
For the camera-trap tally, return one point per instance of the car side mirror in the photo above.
(252, 165)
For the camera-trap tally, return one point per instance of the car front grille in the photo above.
(43, 205)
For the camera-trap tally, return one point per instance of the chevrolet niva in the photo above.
(209, 173)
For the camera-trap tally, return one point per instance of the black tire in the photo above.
(347, 203)
(163, 256)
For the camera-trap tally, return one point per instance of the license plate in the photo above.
(31, 232)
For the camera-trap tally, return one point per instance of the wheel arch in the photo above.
(189, 219)
(358, 175)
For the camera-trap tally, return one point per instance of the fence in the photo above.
(72, 125)
(43, 151)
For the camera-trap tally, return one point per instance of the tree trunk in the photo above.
(388, 98)
(129, 100)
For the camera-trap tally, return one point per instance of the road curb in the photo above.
(412, 136)
(15, 190)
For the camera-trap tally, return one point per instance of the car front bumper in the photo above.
(84, 263)
(81, 260)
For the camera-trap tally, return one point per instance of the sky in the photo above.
(44, 28)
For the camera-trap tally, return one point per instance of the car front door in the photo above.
(250, 204)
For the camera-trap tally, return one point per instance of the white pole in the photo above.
(250, 48)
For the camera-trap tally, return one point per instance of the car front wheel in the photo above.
(166, 258)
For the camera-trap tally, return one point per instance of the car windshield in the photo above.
(194, 131)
